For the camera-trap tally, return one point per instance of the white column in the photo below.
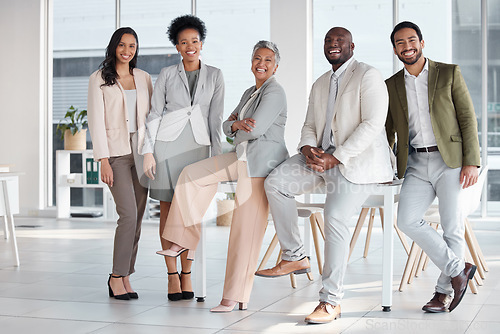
(22, 113)
(291, 30)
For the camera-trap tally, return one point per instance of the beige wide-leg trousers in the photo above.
(195, 190)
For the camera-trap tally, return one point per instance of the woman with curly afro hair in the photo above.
(183, 127)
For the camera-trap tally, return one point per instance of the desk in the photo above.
(9, 205)
(388, 191)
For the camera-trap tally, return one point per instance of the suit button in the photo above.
(189, 113)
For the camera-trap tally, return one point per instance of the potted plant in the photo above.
(225, 209)
(72, 129)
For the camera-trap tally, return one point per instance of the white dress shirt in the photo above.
(419, 118)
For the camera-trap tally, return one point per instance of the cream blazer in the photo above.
(358, 124)
(108, 116)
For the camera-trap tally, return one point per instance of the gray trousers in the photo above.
(343, 199)
(130, 199)
(427, 176)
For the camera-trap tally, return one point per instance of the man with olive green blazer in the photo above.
(437, 150)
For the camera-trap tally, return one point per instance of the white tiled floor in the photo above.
(61, 288)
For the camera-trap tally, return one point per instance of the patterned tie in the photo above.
(332, 96)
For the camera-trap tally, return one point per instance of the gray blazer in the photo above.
(266, 143)
(171, 97)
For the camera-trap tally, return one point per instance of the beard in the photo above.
(417, 57)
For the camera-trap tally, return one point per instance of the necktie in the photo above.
(332, 96)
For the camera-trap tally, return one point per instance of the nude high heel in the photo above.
(171, 253)
(223, 308)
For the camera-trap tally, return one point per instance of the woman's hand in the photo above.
(246, 124)
(149, 165)
(106, 172)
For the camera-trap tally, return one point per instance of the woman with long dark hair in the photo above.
(184, 126)
(118, 102)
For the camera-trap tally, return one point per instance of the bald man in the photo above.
(343, 147)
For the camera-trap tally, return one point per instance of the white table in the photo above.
(388, 191)
(9, 205)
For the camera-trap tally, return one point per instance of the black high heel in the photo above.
(186, 294)
(124, 296)
(177, 295)
(133, 295)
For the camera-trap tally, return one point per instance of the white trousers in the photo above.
(427, 176)
(343, 199)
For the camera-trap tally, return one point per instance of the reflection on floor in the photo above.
(61, 288)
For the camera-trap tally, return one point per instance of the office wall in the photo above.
(291, 30)
(22, 125)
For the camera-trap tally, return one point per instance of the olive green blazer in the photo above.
(452, 117)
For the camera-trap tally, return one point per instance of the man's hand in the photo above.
(106, 172)
(246, 124)
(149, 165)
(233, 117)
(318, 160)
(468, 176)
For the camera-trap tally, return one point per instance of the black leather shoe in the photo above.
(459, 284)
(438, 303)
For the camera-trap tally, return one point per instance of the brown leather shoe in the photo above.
(438, 303)
(323, 313)
(286, 267)
(459, 284)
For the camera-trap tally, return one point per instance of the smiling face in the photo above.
(338, 46)
(125, 51)
(189, 45)
(408, 47)
(263, 65)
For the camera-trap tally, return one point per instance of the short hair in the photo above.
(267, 45)
(402, 25)
(185, 22)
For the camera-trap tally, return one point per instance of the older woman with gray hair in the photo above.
(257, 126)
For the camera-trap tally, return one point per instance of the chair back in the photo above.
(471, 197)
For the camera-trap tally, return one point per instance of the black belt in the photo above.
(427, 149)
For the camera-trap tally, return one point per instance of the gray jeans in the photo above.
(343, 199)
(427, 176)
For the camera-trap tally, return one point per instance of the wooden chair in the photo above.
(373, 203)
(314, 211)
(418, 260)
(305, 210)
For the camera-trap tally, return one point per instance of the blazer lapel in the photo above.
(253, 106)
(433, 76)
(202, 79)
(401, 90)
(140, 86)
(182, 75)
(349, 72)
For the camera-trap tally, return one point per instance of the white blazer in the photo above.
(107, 114)
(358, 123)
(171, 107)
